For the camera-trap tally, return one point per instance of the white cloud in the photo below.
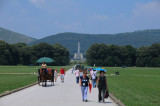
(145, 16)
(150, 9)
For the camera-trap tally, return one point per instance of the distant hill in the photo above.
(13, 37)
(70, 40)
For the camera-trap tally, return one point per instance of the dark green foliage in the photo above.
(20, 45)
(136, 39)
(26, 56)
(148, 56)
(13, 37)
(61, 55)
(15, 55)
(111, 55)
(42, 50)
(9, 54)
(20, 53)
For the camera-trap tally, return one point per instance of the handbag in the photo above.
(106, 94)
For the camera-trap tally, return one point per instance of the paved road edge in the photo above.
(116, 100)
(16, 90)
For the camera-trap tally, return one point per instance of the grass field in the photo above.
(9, 82)
(26, 69)
(135, 86)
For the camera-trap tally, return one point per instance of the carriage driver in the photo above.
(44, 66)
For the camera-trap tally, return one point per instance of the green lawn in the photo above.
(26, 69)
(9, 82)
(135, 86)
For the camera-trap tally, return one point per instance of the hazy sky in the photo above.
(40, 18)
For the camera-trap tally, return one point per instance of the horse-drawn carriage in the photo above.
(79, 66)
(45, 75)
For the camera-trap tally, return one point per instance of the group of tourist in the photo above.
(97, 81)
(62, 72)
(83, 79)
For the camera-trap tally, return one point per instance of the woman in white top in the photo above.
(77, 75)
(80, 73)
(94, 75)
(55, 75)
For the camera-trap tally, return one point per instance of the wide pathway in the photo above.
(62, 94)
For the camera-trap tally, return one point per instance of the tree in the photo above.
(96, 54)
(20, 45)
(61, 55)
(148, 56)
(5, 56)
(15, 55)
(131, 58)
(27, 56)
(109, 55)
(43, 50)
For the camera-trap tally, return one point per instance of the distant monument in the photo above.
(78, 55)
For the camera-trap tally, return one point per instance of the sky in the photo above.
(41, 18)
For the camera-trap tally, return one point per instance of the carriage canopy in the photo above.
(45, 59)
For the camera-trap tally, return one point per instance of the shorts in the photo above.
(62, 76)
(55, 76)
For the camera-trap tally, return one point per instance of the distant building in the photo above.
(78, 55)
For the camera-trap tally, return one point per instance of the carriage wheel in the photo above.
(52, 80)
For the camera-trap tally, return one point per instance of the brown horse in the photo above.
(44, 75)
(50, 76)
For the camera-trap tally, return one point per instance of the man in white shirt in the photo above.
(77, 75)
(93, 74)
(80, 73)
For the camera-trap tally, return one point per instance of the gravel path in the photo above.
(62, 94)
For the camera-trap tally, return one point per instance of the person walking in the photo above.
(94, 77)
(84, 82)
(62, 74)
(72, 69)
(77, 75)
(55, 75)
(102, 86)
(39, 77)
(80, 73)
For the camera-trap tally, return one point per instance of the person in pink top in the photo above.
(77, 75)
(62, 73)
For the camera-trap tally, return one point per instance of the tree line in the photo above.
(20, 53)
(99, 54)
(70, 40)
(113, 55)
